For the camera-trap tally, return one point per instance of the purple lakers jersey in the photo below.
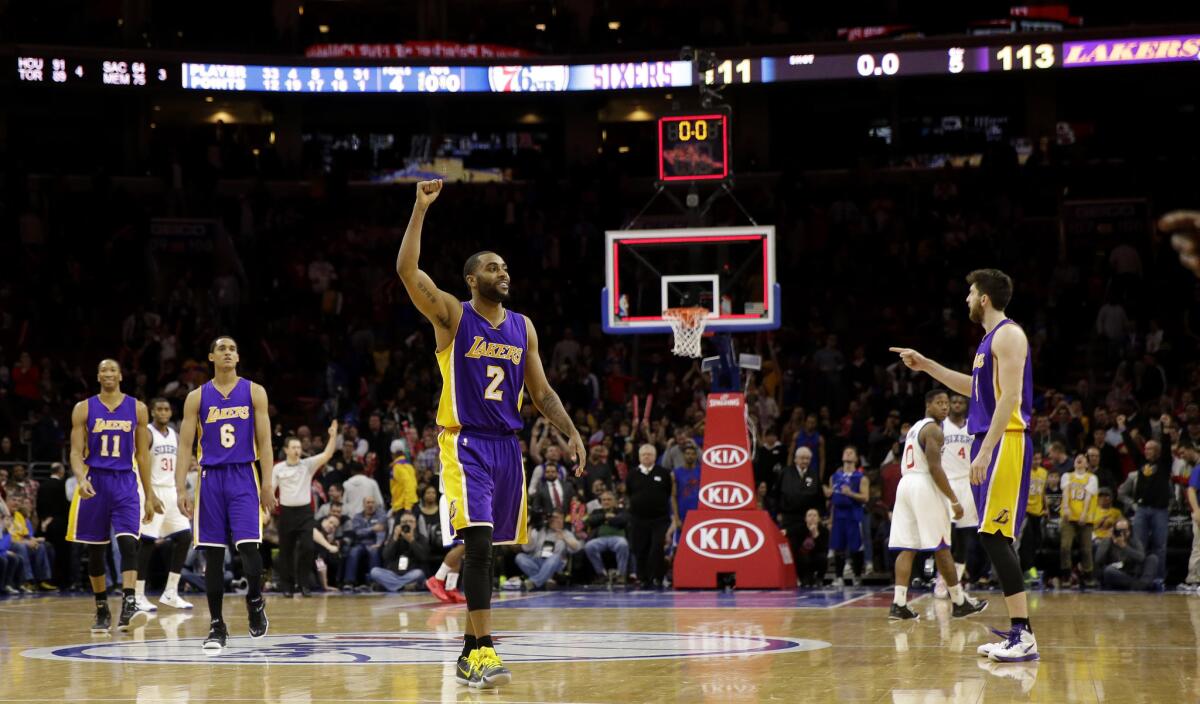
(111, 434)
(986, 391)
(226, 426)
(483, 374)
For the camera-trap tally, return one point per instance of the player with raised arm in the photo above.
(1000, 387)
(488, 356)
(108, 432)
(921, 518)
(230, 415)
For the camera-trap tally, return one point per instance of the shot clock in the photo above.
(693, 147)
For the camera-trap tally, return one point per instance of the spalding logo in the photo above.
(725, 538)
(725, 456)
(726, 495)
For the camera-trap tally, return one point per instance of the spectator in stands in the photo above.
(360, 487)
(11, 565)
(553, 492)
(364, 543)
(810, 547)
(429, 458)
(1107, 516)
(329, 551)
(429, 520)
(598, 469)
(53, 507)
(552, 458)
(545, 553)
(607, 526)
(1104, 461)
(336, 496)
(403, 479)
(810, 436)
(598, 488)
(651, 514)
(673, 456)
(1079, 489)
(405, 557)
(1060, 461)
(33, 550)
(377, 438)
(1151, 489)
(1124, 563)
(770, 459)
(799, 490)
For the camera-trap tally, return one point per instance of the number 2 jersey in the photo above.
(483, 374)
(226, 426)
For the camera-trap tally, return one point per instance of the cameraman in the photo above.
(404, 557)
(1123, 562)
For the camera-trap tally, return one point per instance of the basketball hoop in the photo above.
(687, 324)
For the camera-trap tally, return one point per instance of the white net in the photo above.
(687, 324)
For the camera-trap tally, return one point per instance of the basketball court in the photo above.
(600, 646)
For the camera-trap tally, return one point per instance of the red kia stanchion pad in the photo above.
(727, 534)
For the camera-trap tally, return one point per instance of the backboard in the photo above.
(728, 270)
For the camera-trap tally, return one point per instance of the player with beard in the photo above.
(488, 356)
(1000, 387)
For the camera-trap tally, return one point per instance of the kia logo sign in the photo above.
(725, 456)
(725, 538)
(726, 495)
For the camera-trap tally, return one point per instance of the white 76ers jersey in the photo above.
(956, 451)
(915, 461)
(162, 451)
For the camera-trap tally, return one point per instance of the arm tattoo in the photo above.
(552, 408)
(443, 320)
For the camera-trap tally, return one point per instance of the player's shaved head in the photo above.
(473, 262)
(107, 360)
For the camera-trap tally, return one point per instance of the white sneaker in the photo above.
(1021, 646)
(173, 600)
(143, 604)
(939, 588)
(986, 649)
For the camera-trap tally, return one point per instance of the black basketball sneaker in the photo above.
(902, 613)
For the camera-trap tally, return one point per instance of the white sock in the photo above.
(451, 581)
(959, 568)
(139, 589)
(901, 598)
(172, 583)
(956, 594)
(442, 572)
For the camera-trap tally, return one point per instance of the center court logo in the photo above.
(725, 456)
(428, 648)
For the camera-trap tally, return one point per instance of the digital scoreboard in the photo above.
(693, 147)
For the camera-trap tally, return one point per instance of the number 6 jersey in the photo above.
(483, 374)
(226, 426)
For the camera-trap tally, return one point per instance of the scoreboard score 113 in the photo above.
(693, 147)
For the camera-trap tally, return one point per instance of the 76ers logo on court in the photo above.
(725, 456)
(725, 538)
(726, 495)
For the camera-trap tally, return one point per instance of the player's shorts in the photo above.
(846, 532)
(117, 503)
(1002, 496)
(227, 506)
(921, 517)
(484, 477)
(966, 497)
(170, 521)
(448, 538)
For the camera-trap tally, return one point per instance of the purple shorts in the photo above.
(483, 476)
(226, 507)
(116, 504)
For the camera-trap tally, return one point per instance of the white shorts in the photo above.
(170, 521)
(921, 519)
(966, 497)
